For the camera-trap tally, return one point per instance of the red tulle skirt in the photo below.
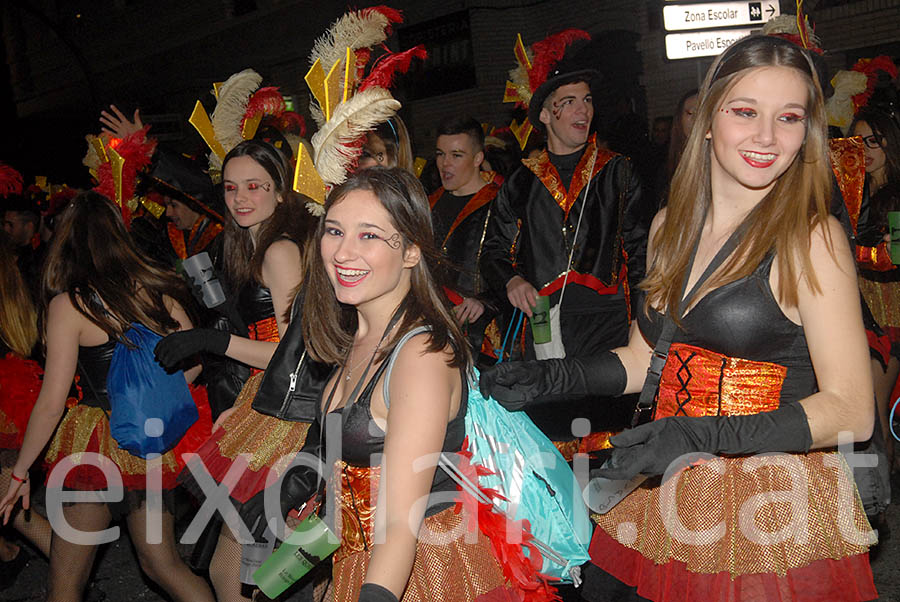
(263, 444)
(85, 429)
(845, 580)
(20, 383)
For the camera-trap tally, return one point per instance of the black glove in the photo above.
(372, 592)
(517, 384)
(185, 343)
(650, 448)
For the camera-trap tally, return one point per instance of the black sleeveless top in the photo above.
(743, 320)
(93, 366)
(362, 437)
(255, 303)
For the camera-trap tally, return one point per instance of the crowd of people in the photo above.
(722, 312)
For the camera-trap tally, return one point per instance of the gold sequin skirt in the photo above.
(735, 528)
(264, 443)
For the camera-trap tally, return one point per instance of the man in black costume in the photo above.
(460, 209)
(569, 221)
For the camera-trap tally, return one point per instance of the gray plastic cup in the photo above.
(199, 267)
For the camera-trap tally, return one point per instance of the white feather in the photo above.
(354, 30)
(333, 143)
(233, 98)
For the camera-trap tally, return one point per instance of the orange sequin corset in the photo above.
(699, 382)
(356, 517)
(264, 330)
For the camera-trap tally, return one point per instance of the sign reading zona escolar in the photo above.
(707, 15)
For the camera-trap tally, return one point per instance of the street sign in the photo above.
(702, 43)
(708, 15)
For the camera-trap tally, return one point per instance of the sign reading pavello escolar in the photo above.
(702, 43)
(680, 17)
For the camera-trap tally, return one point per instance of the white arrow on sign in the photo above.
(680, 17)
(702, 43)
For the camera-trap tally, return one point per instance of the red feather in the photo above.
(10, 180)
(522, 572)
(20, 383)
(389, 65)
(548, 52)
(265, 101)
(393, 15)
(137, 150)
(289, 122)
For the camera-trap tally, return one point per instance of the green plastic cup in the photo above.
(894, 224)
(310, 543)
(540, 320)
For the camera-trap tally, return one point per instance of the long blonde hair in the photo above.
(782, 221)
(18, 317)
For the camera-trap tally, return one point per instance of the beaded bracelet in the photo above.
(13, 476)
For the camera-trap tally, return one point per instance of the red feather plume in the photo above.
(265, 101)
(393, 15)
(549, 51)
(137, 149)
(289, 122)
(382, 74)
(10, 180)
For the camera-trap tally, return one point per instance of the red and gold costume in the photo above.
(749, 528)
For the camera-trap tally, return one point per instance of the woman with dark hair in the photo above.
(767, 354)
(682, 123)
(879, 278)
(388, 145)
(400, 390)
(20, 382)
(95, 286)
(266, 240)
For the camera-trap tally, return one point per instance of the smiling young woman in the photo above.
(377, 260)
(778, 320)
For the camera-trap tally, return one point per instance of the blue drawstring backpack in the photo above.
(150, 409)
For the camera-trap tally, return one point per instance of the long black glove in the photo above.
(372, 592)
(183, 344)
(517, 384)
(650, 448)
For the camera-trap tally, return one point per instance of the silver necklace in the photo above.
(360, 362)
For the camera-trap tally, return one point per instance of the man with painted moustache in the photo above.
(567, 224)
(460, 209)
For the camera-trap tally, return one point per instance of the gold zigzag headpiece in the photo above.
(345, 105)
(240, 107)
(518, 90)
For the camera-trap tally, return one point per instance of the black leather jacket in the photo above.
(293, 382)
(529, 233)
(464, 243)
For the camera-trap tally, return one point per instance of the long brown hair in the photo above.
(18, 318)
(93, 260)
(395, 137)
(328, 328)
(243, 260)
(782, 221)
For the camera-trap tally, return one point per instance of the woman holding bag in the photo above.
(768, 354)
(95, 285)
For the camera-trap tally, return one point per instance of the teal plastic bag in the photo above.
(537, 482)
(150, 409)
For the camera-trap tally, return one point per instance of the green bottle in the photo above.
(540, 320)
(310, 543)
